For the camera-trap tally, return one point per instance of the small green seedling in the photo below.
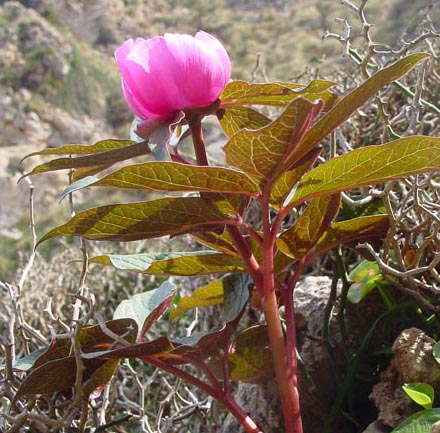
(420, 393)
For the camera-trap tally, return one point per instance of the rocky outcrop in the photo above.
(413, 362)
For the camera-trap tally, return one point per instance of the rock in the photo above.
(412, 362)
(376, 427)
(86, 19)
(435, 427)
(33, 51)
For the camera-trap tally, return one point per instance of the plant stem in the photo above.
(286, 375)
(285, 364)
(195, 125)
(246, 254)
(218, 394)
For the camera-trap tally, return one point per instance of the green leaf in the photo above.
(172, 176)
(287, 182)
(358, 291)
(365, 271)
(219, 242)
(364, 277)
(371, 165)
(80, 173)
(140, 262)
(81, 149)
(138, 350)
(234, 119)
(40, 380)
(353, 231)
(350, 103)
(436, 351)
(198, 265)
(145, 220)
(298, 240)
(232, 291)
(420, 393)
(211, 294)
(420, 422)
(238, 93)
(104, 159)
(57, 361)
(251, 360)
(184, 263)
(146, 308)
(81, 183)
(100, 376)
(236, 295)
(260, 152)
(204, 344)
(27, 362)
(94, 338)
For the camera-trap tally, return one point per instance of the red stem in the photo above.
(246, 254)
(284, 358)
(195, 125)
(215, 392)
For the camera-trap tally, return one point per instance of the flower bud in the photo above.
(173, 72)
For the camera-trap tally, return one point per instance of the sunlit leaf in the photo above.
(105, 159)
(350, 103)
(140, 262)
(235, 118)
(198, 265)
(232, 291)
(172, 176)
(352, 231)
(260, 152)
(81, 149)
(286, 183)
(219, 242)
(420, 393)
(364, 272)
(282, 261)
(371, 165)
(184, 263)
(145, 220)
(298, 240)
(364, 277)
(238, 93)
(359, 291)
(211, 294)
(420, 422)
(146, 308)
(81, 173)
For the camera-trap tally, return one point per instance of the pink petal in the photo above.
(220, 51)
(170, 73)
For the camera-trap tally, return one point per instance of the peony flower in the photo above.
(165, 74)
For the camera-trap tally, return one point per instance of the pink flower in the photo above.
(173, 72)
